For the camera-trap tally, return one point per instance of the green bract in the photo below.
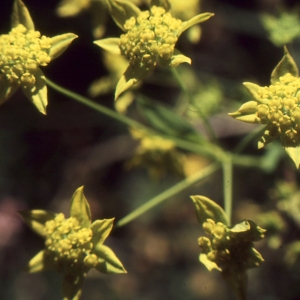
(150, 37)
(73, 245)
(277, 106)
(23, 51)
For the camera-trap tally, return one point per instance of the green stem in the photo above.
(227, 185)
(208, 127)
(182, 185)
(98, 107)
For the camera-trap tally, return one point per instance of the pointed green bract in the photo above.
(210, 265)
(80, 208)
(109, 44)
(60, 43)
(253, 89)
(286, 65)
(130, 78)
(195, 20)
(294, 154)
(6, 89)
(40, 262)
(109, 263)
(38, 93)
(36, 219)
(101, 230)
(178, 59)
(122, 10)
(208, 209)
(21, 15)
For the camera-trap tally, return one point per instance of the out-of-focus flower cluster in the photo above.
(226, 247)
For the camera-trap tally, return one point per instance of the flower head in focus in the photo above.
(23, 51)
(73, 245)
(149, 39)
(277, 106)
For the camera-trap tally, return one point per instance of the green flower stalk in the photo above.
(149, 39)
(23, 51)
(73, 245)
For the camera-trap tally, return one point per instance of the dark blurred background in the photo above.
(43, 159)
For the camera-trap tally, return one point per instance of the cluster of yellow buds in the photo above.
(280, 109)
(228, 247)
(149, 37)
(68, 243)
(22, 51)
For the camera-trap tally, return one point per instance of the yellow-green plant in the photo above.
(166, 135)
(73, 245)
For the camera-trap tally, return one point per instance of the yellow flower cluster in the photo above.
(280, 109)
(228, 247)
(22, 51)
(69, 243)
(150, 36)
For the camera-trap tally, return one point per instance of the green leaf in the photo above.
(122, 10)
(60, 43)
(210, 265)
(111, 263)
(241, 227)
(7, 89)
(286, 65)
(21, 15)
(40, 262)
(166, 121)
(101, 230)
(208, 209)
(80, 208)
(109, 44)
(38, 93)
(36, 219)
(162, 3)
(294, 154)
(72, 286)
(130, 78)
(195, 20)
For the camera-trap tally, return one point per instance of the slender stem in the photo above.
(182, 185)
(248, 138)
(96, 106)
(227, 185)
(208, 127)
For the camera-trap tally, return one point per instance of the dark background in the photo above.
(43, 159)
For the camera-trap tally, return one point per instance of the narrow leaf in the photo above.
(253, 90)
(111, 263)
(109, 44)
(286, 65)
(101, 230)
(60, 43)
(80, 208)
(179, 59)
(6, 89)
(166, 121)
(208, 209)
(21, 15)
(36, 219)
